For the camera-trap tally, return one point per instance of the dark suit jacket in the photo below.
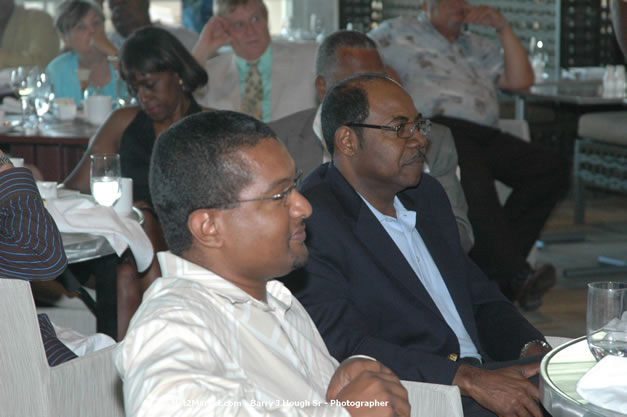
(296, 132)
(365, 298)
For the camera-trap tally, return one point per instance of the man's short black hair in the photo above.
(196, 164)
(347, 102)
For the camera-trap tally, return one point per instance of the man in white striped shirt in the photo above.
(214, 335)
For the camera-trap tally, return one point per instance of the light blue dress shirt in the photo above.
(265, 69)
(403, 232)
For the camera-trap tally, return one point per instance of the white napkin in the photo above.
(605, 384)
(5, 77)
(11, 105)
(81, 215)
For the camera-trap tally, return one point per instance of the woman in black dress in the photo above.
(162, 75)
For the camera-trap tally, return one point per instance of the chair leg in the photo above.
(578, 188)
(580, 202)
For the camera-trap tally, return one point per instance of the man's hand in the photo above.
(5, 163)
(363, 380)
(103, 44)
(486, 16)
(506, 392)
(214, 35)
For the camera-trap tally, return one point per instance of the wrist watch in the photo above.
(4, 160)
(541, 343)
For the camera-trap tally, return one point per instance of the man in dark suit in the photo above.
(340, 55)
(387, 276)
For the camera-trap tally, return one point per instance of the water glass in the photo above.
(42, 96)
(23, 83)
(105, 178)
(606, 318)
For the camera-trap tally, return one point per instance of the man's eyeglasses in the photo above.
(404, 130)
(274, 197)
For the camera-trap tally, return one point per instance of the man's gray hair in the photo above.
(326, 57)
(222, 7)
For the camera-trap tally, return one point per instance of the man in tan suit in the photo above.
(347, 53)
(282, 66)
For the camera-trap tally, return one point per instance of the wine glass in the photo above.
(42, 96)
(20, 83)
(606, 319)
(83, 78)
(105, 178)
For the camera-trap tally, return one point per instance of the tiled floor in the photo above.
(563, 312)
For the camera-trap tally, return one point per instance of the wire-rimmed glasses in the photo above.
(403, 130)
(282, 196)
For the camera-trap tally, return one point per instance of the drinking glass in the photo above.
(22, 85)
(83, 78)
(606, 319)
(105, 178)
(42, 96)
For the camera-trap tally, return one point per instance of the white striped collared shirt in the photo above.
(199, 345)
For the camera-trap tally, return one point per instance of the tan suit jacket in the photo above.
(293, 68)
(297, 134)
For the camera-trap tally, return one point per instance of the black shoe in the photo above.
(534, 286)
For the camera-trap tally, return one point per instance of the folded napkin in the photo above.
(81, 215)
(5, 77)
(605, 384)
(11, 105)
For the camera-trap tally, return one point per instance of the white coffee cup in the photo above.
(17, 162)
(124, 205)
(47, 189)
(97, 108)
(66, 108)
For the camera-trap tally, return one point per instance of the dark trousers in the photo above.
(538, 177)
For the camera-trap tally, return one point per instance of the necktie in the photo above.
(253, 93)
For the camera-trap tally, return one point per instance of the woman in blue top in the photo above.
(81, 26)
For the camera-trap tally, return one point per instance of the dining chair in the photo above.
(600, 159)
(84, 386)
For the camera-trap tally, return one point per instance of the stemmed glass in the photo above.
(42, 96)
(83, 78)
(21, 82)
(105, 178)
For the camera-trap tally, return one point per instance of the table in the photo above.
(560, 371)
(55, 150)
(99, 258)
(575, 92)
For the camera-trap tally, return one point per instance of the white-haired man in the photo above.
(260, 77)
(453, 76)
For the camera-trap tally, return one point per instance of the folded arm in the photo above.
(30, 243)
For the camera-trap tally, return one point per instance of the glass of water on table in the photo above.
(105, 178)
(606, 319)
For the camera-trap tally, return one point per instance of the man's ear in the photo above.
(345, 141)
(321, 87)
(205, 225)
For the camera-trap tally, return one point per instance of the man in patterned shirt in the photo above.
(453, 77)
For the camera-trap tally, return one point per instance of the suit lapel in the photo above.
(235, 96)
(280, 73)
(382, 249)
(440, 251)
